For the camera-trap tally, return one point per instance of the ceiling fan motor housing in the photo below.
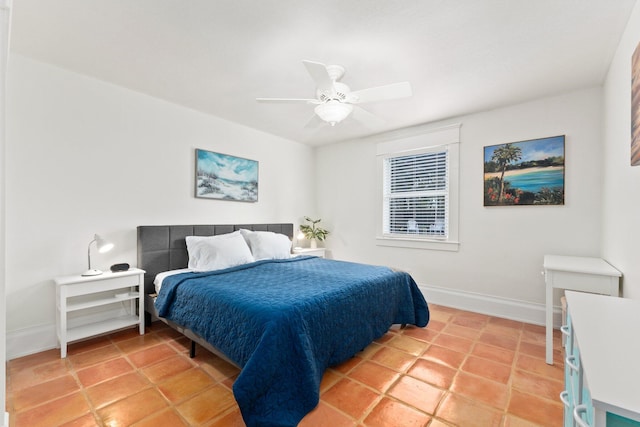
(339, 93)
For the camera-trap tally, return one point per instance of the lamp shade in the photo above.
(103, 246)
(333, 111)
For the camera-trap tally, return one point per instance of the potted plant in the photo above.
(313, 232)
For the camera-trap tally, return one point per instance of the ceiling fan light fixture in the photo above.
(333, 111)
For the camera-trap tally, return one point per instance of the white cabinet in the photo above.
(602, 375)
(319, 252)
(93, 305)
(579, 274)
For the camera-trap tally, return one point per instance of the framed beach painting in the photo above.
(635, 107)
(525, 172)
(223, 177)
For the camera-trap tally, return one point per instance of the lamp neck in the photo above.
(89, 253)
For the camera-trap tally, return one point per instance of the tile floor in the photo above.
(463, 369)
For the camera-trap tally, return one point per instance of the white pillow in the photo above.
(163, 275)
(267, 244)
(217, 252)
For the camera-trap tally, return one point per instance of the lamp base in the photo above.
(92, 272)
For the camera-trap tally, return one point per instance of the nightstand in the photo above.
(319, 252)
(94, 305)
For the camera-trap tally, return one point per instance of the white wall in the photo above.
(502, 248)
(5, 24)
(621, 193)
(86, 157)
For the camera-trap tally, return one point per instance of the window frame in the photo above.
(436, 140)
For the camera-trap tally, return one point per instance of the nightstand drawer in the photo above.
(107, 284)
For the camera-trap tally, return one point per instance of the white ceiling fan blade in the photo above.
(314, 122)
(289, 100)
(320, 75)
(381, 93)
(366, 118)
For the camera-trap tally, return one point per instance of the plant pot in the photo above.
(313, 244)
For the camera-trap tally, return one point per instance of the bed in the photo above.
(282, 321)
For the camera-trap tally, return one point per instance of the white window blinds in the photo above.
(416, 194)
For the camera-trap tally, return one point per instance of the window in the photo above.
(419, 190)
(416, 195)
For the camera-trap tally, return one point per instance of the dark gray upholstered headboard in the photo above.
(163, 247)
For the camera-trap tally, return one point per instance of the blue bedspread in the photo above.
(285, 321)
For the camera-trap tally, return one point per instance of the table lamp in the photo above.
(103, 246)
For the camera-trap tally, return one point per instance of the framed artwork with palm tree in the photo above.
(635, 107)
(525, 173)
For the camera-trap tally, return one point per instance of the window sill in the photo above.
(405, 242)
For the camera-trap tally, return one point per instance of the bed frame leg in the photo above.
(147, 319)
(192, 351)
(404, 325)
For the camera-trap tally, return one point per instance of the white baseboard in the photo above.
(41, 338)
(495, 306)
(31, 340)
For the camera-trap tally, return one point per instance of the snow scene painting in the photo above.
(525, 173)
(224, 177)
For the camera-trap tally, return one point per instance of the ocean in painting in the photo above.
(534, 181)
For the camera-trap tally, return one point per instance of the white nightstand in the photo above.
(319, 252)
(93, 305)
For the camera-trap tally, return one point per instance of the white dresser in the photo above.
(602, 374)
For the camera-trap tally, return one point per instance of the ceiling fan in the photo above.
(334, 100)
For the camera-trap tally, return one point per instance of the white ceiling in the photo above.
(217, 56)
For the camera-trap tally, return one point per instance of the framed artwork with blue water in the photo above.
(224, 177)
(525, 172)
(635, 107)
